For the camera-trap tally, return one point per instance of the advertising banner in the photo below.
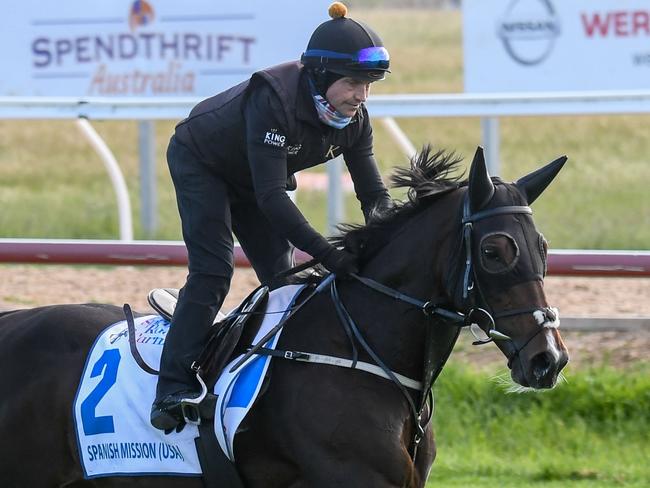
(551, 45)
(148, 47)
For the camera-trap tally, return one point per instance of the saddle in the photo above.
(163, 301)
(230, 335)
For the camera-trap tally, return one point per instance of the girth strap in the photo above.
(218, 470)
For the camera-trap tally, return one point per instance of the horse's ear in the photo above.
(533, 184)
(481, 187)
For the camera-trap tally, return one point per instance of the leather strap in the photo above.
(218, 470)
(132, 345)
(308, 357)
(492, 212)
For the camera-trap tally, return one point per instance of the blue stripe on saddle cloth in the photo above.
(236, 392)
(112, 404)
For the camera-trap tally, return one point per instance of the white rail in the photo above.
(488, 106)
(116, 176)
(412, 105)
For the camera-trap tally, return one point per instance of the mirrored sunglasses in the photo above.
(373, 57)
(369, 57)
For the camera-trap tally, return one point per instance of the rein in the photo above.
(427, 307)
(430, 310)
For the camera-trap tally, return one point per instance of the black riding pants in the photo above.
(209, 216)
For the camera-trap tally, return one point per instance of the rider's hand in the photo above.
(340, 262)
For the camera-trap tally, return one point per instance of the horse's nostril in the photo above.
(541, 365)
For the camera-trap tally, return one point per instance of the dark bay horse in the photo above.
(454, 253)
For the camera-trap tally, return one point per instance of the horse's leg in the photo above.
(321, 426)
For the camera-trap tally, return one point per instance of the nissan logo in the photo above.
(528, 30)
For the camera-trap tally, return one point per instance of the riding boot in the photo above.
(198, 303)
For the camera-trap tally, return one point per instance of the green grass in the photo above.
(588, 432)
(52, 185)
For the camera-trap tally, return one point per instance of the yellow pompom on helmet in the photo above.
(347, 47)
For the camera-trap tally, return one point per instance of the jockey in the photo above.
(232, 161)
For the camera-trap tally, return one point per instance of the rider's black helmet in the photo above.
(346, 47)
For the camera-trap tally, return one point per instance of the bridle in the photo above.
(479, 312)
(476, 310)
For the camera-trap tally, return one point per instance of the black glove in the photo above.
(340, 262)
(379, 208)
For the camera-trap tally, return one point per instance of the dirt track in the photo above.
(30, 286)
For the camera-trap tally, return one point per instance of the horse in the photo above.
(456, 252)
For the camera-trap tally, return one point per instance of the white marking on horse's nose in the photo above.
(544, 319)
(553, 346)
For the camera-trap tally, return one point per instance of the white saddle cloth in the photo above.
(113, 401)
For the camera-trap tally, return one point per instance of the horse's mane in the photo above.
(429, 176)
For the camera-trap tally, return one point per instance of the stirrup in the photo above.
(191, 407)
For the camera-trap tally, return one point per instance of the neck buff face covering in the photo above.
(326, 111)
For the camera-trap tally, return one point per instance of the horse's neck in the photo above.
(415, 263)
(415, 260)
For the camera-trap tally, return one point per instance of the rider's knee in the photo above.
(207, 289)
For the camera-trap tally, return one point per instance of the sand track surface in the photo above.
(25, 286)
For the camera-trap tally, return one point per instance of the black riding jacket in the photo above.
(257, 134)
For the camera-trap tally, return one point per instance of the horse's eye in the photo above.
(491, 254)
(499, 252)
